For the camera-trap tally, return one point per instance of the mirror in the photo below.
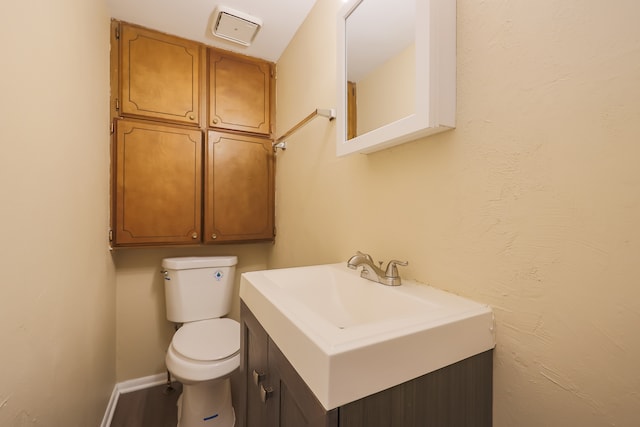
(374, 59)
(396, 72)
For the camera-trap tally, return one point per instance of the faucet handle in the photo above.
(392, 270)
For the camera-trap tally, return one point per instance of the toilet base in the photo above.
(206, 404)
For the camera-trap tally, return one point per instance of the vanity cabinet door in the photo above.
(294, 404)
(254, 370)
(239, 93)
(157, 184)
(239, 189)
(273, 393)
(160, 76)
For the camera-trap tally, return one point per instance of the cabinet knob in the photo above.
(265, 393)
(214, 236)
(192, 117)
(194, 236)
(214, 121)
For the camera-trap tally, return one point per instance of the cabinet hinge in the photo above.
(117, 33)
(117, 104)
(113, 127)
(274, 231)
(274, 72)
(110, 236)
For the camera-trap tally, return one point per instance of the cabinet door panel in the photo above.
(160, 76)
(157, 184)
(293, 403)
(291, 415)
(254, 357)
(239, 93)
(239, 188)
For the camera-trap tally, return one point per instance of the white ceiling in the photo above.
(191, 19)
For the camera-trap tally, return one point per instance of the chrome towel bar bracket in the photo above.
(280, 143)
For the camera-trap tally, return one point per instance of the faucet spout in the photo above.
(369, 270)
(390, 277)
(359, 259)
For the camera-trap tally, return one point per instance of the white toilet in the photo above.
(205, 351)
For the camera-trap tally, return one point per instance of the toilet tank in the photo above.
(198, 288)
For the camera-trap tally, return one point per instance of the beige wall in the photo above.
(143, 331)
(57, 300)
(531, 205)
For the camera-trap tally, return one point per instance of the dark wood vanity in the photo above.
(273, 394)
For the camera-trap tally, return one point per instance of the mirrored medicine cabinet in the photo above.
(396, 73)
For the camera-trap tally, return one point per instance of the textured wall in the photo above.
(57, 299)
(531, 205)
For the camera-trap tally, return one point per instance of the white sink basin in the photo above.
(349, 337)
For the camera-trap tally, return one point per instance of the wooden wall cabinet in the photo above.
(172, 178)
(239, 188)
(160, 76)
(157, 183)
(239, 93)
(273, 394)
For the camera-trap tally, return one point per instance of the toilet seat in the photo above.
(207, 340)
(204, 350)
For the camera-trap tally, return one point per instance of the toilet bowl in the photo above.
(202, 356)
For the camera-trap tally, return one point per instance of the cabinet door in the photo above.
(239, 190)
(239, 93)
(252, 411)
(157, 189)
(292, 403)
(160, 76)
(289, 402)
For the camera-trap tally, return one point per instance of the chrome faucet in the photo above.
(389, 277)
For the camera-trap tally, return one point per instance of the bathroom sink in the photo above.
(349, 337)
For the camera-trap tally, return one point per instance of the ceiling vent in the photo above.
(235, 26)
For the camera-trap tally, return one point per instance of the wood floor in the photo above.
(150, 407)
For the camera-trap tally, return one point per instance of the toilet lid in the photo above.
(211, 339)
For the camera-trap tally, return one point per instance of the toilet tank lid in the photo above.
(186, 263)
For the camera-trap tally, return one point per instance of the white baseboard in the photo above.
(127, 387)
(140, 383)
